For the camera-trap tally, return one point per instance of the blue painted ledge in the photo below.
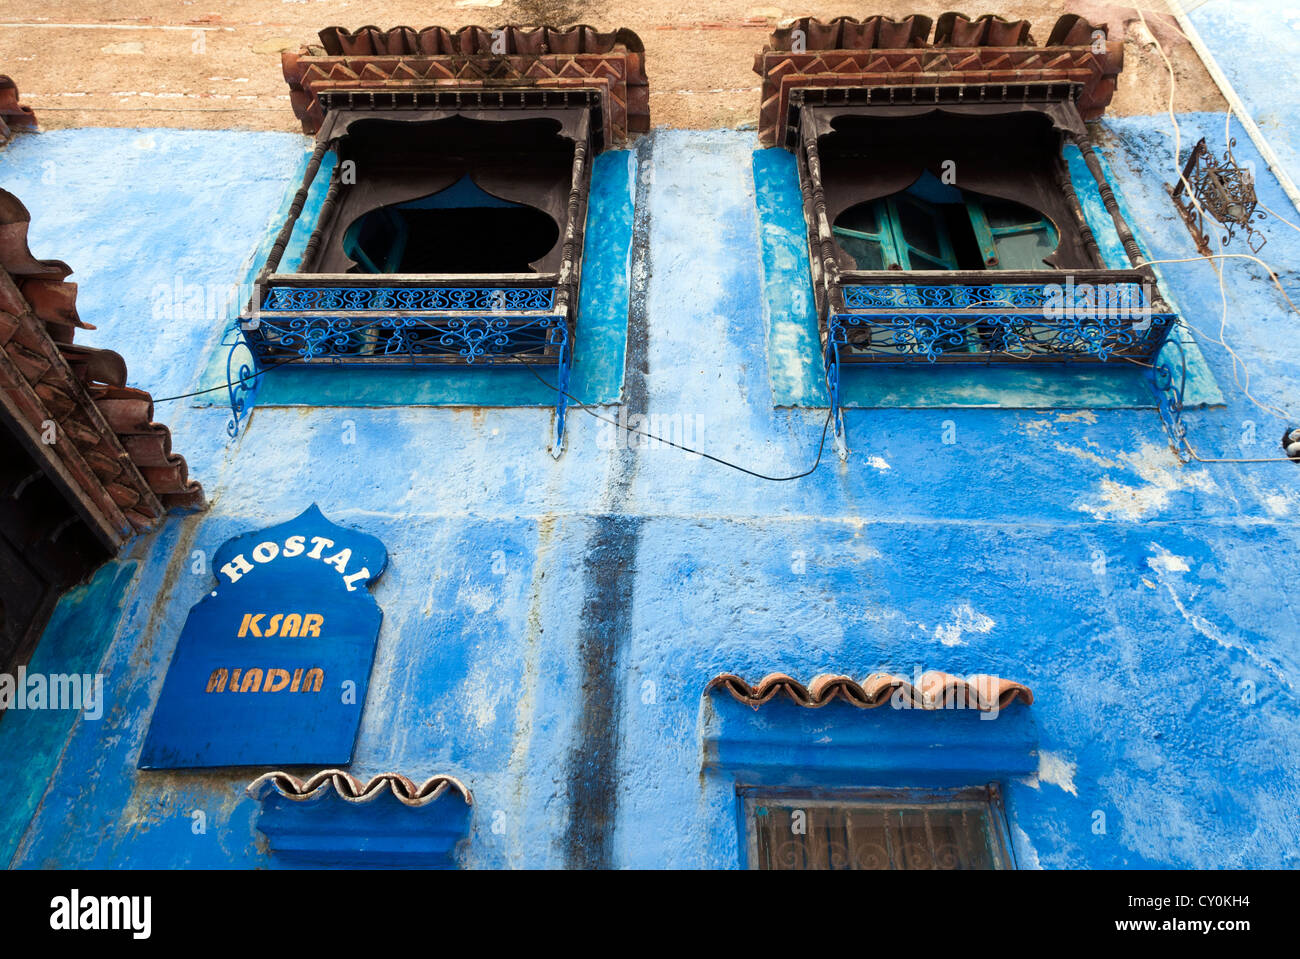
(783, 744)
(331, 832)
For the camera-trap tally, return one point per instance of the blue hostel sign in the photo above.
(272, 665)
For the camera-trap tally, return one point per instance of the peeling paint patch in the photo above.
(1026, 854)
(875, 462)
(1212, 632)
(1162, 476)
(1087, 456)
(1079, 416)
(478, 598)
(1057, 771)
(1167, 561)
(479, 696)
(967, 620)
(1278, 504)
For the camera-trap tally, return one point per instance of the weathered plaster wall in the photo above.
(550, 626)
(1232, 30)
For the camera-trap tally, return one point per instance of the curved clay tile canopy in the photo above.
(353, 790)
(934, 690)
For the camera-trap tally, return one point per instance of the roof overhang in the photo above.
(880, 61)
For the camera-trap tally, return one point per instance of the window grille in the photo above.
(877, 830)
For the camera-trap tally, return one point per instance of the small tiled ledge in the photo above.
(333, 819)
(935, 729)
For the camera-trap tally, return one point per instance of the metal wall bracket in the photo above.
(241, 386)
(1223, 190)
(1169, 381)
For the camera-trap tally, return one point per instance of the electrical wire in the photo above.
(1212, 258)
(821, 447)
(243, 380)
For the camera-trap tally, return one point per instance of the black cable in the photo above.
(821, 447)
(708, 456)
(226, 386)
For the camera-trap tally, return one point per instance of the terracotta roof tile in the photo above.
(935, 690)
(353, 790)
(964, 51)
(45, 376)
(12, 113)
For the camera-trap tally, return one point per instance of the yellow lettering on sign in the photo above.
(271, 680)
(280, 624)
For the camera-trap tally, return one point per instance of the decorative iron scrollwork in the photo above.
(495, 299)
(1010, 296)
(276, 338)
(241, 376)
(1092, 317)
(1169, 380)
(1222, 189)
(367, 340)
(898, 337)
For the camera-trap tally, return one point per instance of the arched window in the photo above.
(936, 226)
(461, 229)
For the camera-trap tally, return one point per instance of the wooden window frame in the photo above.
(987, 798)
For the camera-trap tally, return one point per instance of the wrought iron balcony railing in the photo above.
(983, 317)
(976, 317)
(345, 319)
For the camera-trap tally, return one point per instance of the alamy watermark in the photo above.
(1099, 301)
(80, 691)
(977, 691)
(649, 431)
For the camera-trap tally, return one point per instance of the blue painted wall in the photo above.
(1269, 88)
(549, 627)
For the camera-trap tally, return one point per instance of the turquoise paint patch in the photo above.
(599, 347)
(794, 357)
(793, 341)
(1094, 209)
(32, 740)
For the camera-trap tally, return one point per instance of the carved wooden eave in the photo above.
(70, 405)
(477, 67)
(995, 57)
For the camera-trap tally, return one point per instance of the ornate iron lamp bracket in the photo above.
(1222, 189)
